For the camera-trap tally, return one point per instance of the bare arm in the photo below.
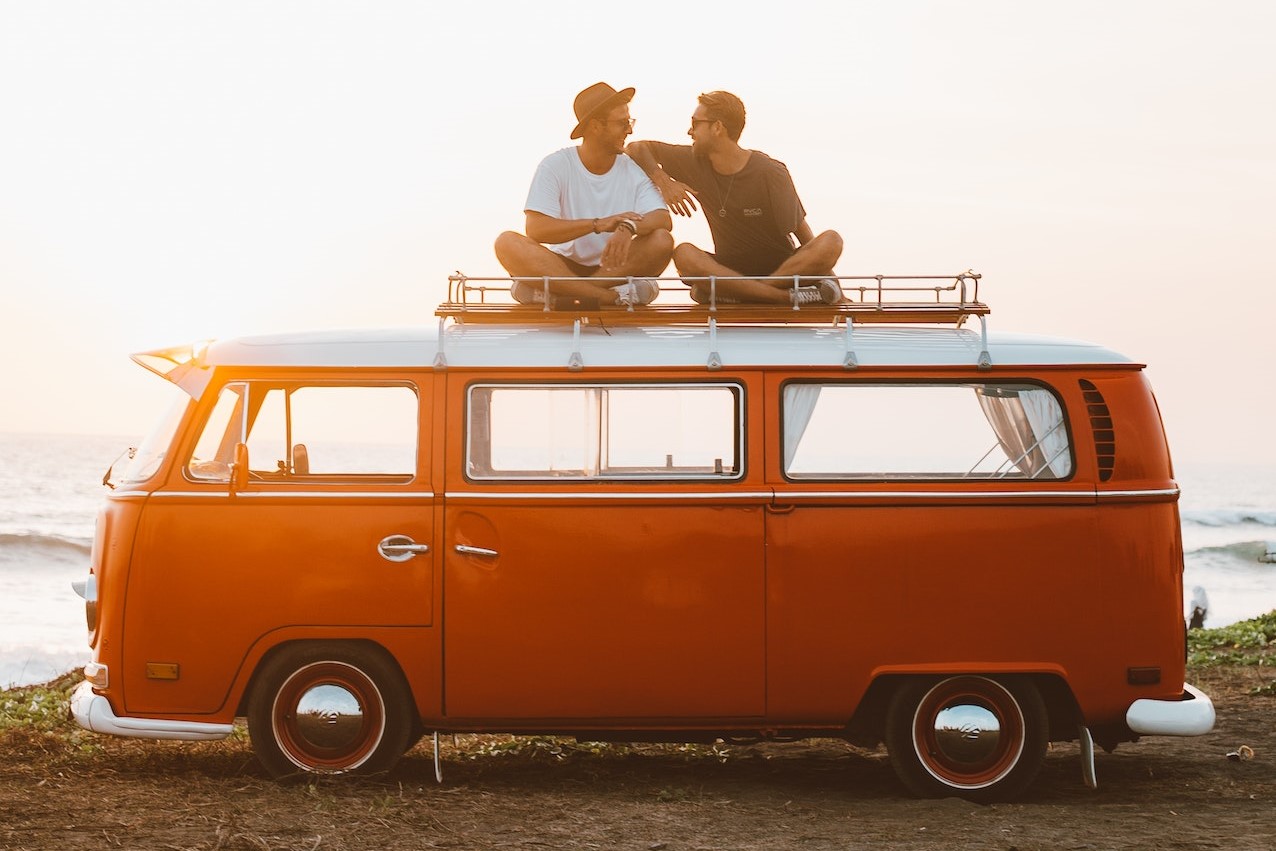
(548, 230)
(677, 194)
(655, 220)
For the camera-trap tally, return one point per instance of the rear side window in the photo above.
(604, 431)
(310, 432)
(924, 431)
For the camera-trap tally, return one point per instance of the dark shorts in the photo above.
(749, 268)
(580, 270)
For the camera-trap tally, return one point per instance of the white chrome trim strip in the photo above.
(93, 712)
(1089, 494)
(718, 495)
(932, 494)
(858, 495)
(310, 494)
(1126, 494)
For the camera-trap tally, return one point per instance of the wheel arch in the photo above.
(290, 645)
(868, 723)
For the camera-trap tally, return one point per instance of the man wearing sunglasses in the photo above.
(752, 208)
(591, 214)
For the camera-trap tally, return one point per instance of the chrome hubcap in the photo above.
(329, 717)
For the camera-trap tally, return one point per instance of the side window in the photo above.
(215, 449)
(311, 433)
(924, 431)
(618, 431)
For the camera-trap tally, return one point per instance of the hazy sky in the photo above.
(173, 171)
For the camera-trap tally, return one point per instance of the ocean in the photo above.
(51, 487)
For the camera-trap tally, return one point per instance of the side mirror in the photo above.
(239, 469)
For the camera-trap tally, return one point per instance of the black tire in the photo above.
(973, 737)
(329, 708)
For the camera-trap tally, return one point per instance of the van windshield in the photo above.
(144, 461)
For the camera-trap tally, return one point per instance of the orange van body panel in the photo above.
(753, 603)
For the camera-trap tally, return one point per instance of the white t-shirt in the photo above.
(563, 188)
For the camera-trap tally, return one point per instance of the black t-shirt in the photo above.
(751, 213)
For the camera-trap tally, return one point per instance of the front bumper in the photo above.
(93, 712)
(1190, 715)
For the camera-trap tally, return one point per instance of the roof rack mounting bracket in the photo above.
(440, 359)
(715, 359)
(850, 361)
(985, 359)
(575, 363)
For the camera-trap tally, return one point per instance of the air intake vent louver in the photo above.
(1101, 426)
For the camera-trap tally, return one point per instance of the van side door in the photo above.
(603, 551)
(337, 475)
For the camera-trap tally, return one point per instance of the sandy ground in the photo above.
(69, 790)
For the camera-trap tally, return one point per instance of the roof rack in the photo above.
(928, 299)
(913, 299)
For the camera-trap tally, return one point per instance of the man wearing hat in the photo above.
(591, 213)
(752, 209)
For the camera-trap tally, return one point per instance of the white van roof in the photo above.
(549, 346)
(876, 324)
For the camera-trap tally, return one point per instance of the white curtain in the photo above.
(1046, 418)
(1028, 423)
(799, 404)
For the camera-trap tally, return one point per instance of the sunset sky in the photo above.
(175, 171)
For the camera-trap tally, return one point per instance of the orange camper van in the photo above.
(873, 520)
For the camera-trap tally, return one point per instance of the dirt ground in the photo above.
(68, 790)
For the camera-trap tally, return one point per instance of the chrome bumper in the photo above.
(93, 712)
(1190, 715)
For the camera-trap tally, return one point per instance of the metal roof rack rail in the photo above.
(867, 299)
(925, 299)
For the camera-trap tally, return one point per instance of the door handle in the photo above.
(476, 551)
(400, 548)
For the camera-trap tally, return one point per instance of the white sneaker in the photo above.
(524, 293)
(830, 291)
(638, 292)
(806, 295)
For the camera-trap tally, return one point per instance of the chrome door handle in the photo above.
(400, 548)
(476, 551)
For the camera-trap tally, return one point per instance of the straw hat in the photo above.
(596, 101)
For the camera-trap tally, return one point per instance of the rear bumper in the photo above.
(1190, 715)
(93, 712)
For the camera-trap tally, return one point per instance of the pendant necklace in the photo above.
(722, 204)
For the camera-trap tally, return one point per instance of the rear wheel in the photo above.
(329, 709)
(973, 737)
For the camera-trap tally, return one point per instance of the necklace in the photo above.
(722, 203)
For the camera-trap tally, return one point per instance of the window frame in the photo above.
(254, 390)
(902, 478)
(736, 387)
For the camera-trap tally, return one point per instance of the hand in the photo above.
(608, 224)
(679, 196)
(616, 251)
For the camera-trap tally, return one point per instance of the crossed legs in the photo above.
(814, 259)
(524, 258)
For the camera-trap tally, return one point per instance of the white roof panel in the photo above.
(664, 345)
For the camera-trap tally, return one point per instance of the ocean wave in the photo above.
(1220, 517)
(44, 543)
(1244, 550)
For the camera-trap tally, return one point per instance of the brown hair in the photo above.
(727, 108)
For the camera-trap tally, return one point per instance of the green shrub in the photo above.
(38, 707)
(1248, 642)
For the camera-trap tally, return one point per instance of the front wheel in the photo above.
(329, 709)
(973, 737)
